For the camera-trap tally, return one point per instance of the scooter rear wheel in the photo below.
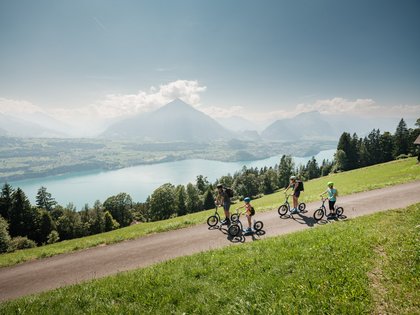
(234, 230)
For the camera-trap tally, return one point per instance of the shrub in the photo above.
(402, 156)
(53, 237)
(4, 236)
(21, 242)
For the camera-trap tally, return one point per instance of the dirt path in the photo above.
(50, 273)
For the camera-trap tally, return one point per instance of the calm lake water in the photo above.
(140, 181)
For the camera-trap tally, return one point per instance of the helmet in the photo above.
(330, 184)
(247, 199)
(219, 186)
(292, 177)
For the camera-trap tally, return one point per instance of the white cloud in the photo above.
(338, 105)
(121, 105)
(16, 107)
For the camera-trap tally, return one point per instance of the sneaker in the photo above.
(226, 222)
(294, 211)
(248, 230)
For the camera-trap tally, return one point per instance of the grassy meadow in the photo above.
(367, 265)
(373, 177)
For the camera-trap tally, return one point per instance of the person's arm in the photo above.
(323, 193)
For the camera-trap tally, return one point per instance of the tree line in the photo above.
(355, 152)
(23, 225)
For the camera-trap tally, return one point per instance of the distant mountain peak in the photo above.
(175, 121)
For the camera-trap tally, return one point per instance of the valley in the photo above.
(25, 158)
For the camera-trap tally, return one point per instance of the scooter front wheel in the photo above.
(282, 210)
(318, 214)
(212, 221)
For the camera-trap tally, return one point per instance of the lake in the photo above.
(140, 181)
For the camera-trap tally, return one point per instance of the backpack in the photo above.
(252, 210)
(300, 186)
(229, 192)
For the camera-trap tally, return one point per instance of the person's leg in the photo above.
(295, 202)
(331, 206)
(249, 221)
(226, 207)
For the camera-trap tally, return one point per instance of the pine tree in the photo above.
(21, 219)
(44, 199)
(208, 202)
(6, 201)
(181, 197)
(401, 139)
(285, 170)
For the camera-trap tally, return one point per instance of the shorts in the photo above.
(226, 206)
(296, 193)
(331, 204)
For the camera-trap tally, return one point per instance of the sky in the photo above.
(88, 60)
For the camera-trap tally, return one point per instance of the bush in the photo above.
(53, 237)
(21, 242)
(402, 156)
(4, 236)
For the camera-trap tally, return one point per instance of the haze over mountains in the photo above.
(178, 121)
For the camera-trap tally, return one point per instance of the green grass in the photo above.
(361, 266)
(369, 178)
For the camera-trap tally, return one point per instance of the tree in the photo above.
(181, 198)
(202, 184)
(401, 139)
(4, 236)
(193, 202)
(21, 219)
(110, 223)
(6, 201)
(226, 181)
(97, 224)
(312, 169)
(120, 207)
(69, 225)
(348, 145)
(208, 202)
(162, 202)
(340, 160)
(269, 181)
(285, 171)
(247, 185)
(387, 145)
(326, 167)
(44, 199)
(45, 226)
(373, 147)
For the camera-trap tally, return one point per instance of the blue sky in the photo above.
(252, 58)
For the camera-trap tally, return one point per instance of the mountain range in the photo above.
(178, 121)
